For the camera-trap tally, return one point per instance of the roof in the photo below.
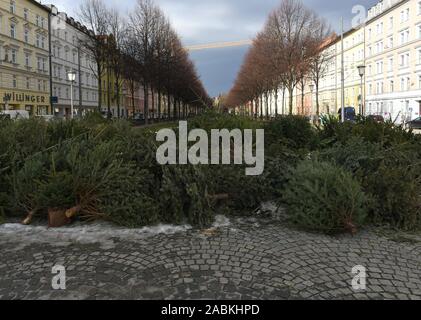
(39, 5)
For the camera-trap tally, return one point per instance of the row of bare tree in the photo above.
(287, 55)
(143, 49)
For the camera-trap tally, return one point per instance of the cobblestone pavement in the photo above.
(247, 259)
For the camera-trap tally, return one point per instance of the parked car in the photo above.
(415, 124)
(138, 119)
(376, 118)
(15, 114)
(47, 117)
(349, 113)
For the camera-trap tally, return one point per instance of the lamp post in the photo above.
(71, 76)
(361, 72)
(311, 86)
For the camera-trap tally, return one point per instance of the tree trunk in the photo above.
(159, 104)
(175, 108)
(117, 95)
(99, 87)
(153, 104)
(133, 100)
(317, 100)
(146, 102)
(302, 101)
(108, 94)
(276, 102)
(283, 101)
(168, 106)
(291, 92)
(267, 105)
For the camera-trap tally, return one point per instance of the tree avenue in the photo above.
(286, 54)
(142, 49)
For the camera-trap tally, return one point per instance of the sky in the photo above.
(208, 21)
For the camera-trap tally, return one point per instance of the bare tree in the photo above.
(93, 14)
(281, 57)
(321, 58)
(115, 45)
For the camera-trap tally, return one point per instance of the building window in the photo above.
(404, 36)
(13, 31)
(14, 55)
(12, 6)
(15, 82)
(38, 40)
(27, 60)
(28, 83)
(405, 15)
(26, 36)
(392, 86)
(404, 60)
(38, 18)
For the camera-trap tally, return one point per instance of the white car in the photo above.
(47, 118)
(15, 114)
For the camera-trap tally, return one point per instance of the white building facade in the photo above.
(393, 45)
(68, 55)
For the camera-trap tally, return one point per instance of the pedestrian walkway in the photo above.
(243, 259)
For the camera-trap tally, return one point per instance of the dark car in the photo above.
(376, 118)
(138, 119)
(415, 124)
(349, 113)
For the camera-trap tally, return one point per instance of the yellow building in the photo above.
(24, 57)
(331, 84)
(110, 95)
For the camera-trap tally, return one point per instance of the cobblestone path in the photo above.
(247, 259)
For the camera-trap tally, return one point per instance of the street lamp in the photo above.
(361, 72)
(71, 76)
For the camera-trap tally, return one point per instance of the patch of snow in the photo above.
(221, 221)
(99, 232)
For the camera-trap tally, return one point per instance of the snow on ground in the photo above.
(99, 232)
